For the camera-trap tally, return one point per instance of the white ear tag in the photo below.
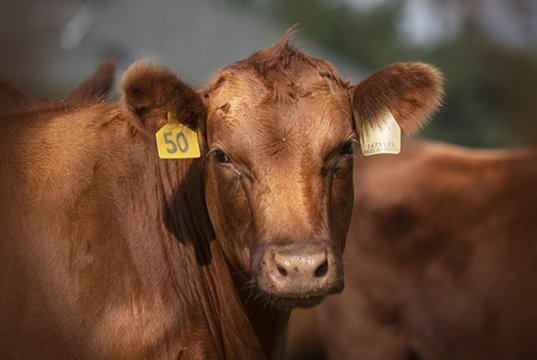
(384, 138)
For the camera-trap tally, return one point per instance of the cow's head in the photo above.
(278, 144)
(281, 133)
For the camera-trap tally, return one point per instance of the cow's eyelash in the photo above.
(224, 161)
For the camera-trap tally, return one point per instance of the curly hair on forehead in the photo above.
(285, 70)
(283, 60)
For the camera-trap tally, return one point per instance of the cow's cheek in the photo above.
(341, 206)
(229, 214)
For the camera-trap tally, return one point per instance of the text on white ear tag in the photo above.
(383, 138)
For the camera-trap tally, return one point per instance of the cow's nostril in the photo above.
(281, 270)
(321, 270)
(304, 271)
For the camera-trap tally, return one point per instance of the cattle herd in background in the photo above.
(440, 263)
(110, 252)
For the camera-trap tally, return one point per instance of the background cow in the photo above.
(440, 261)
(110, 252)
(94, 88)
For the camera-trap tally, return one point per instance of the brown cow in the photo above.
(109, 252)
(94, 88)
(441, 258)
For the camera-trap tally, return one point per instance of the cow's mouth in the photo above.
(302, 300)
(306, 302)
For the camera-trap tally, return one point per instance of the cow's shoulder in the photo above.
(52, 152)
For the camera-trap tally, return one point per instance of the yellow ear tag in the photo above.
(384, 138)
(177, 141)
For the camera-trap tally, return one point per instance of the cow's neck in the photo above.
(240, 326)
(269, 323)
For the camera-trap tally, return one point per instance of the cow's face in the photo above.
(281, 138)
(279, 179)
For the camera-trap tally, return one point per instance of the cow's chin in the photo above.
(297, 300)
(289, 303)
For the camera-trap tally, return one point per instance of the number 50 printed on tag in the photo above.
(176, 141)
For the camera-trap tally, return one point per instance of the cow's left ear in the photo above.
(410, 92)
(96, 87)
(150, 91)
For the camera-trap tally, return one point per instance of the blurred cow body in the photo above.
(96, 87)
(441, 258)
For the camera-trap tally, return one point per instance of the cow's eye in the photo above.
(221, 157)
(347, 148)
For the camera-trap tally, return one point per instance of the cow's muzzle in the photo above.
(299, 274)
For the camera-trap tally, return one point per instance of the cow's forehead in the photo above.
(243, 98)
(244, 80)
(251, 121)
(278, 98)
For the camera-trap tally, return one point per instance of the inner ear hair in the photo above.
(410, 91)
(150, 90)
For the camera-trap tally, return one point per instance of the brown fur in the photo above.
(410, 91)
(150, 91)
(122, 255)
(440, 260)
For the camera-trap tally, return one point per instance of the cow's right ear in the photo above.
(150, 91)
(394, 101)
